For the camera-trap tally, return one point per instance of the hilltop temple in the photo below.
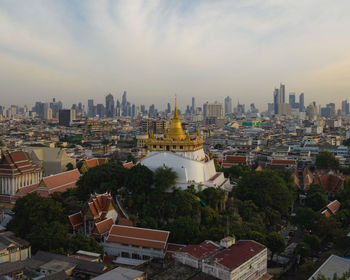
(185, 155)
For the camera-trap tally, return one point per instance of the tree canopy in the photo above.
(326, 160)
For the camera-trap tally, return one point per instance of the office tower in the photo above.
(151, 110)
(301, 102)
(214, 110)
(228, 105)
(240, 108)
(143, 109)
(100, 110)
(345, 107)
(47, 112)
(133, 109)
(109, 106)
(65, 117)
(292, 99)
(193, 108)
(253, 109)
(282, 94)
(118, 109)
(331, 106)
(124, 105)
(168, 111)
(276, 99)
(91, 108)
(205, 110)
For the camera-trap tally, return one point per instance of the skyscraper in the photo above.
(276, 100)
(282, 94)
(228, 105)
(193, 108)
(109, 106)
(301, 102)
(292, 99)
(124, 104)
(91, 108)
(345, 107)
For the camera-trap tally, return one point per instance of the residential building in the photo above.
(228, 105)
(122, 273)
(13, 248)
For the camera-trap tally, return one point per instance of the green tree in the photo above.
(139, 179)
(316, 201)
(164, 179)
(307, 218)
(313, 241)
(326, 160)
(275, 242)
(265, 189)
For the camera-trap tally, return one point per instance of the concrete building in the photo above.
(52, 160)
(136, 243)
(13, 248)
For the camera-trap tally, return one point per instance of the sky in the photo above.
(76, 50)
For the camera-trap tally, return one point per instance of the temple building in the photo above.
(185, 155)
(17, 170)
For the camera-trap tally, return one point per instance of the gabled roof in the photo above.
(17, 163)
(92, 162)
(125, 222)
(283, 162)
(238, 254)
(331, 208)
(62, 179)
(76, 220)
(104, 226)
(200, 251)
(128, 165)
(150, 238)
(330, 181)
(99, 205)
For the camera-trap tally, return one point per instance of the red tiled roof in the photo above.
(104, 226)
(334, 206)
(128, 165)
(201, 251)
(125, 222)
(99, 205)
(144, 237)
(235, 159)
(331, 182)
(76, 220)
(238, 254)
(17, 163)
(62, 179)
(283, 162)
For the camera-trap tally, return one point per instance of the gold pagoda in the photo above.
(175, 139)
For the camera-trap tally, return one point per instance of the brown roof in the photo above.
(283, 161)
(92, 162)
(334, 206)
(125, 222)
(144, 237)
(238, 254)
(99, 205)
(61, 179)
(235, 159)
(104, 226)
(331, 182)
(200, 251)
(128, 165)
(76, 220)
(17, 163)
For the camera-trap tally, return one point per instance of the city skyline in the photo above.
(75, 51)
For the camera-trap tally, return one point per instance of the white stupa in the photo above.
(184, 155)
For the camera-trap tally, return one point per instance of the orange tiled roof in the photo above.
(125, 222)
(144, 237)
(104, 226)
(128, 165)
(76, 220)
(62, 179)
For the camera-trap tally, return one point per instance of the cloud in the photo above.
(154, 49)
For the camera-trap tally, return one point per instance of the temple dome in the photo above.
(176, 132)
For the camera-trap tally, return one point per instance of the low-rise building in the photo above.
(13, 248)
(136, 243)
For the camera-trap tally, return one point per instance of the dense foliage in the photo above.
(43, 222)
(326, 160)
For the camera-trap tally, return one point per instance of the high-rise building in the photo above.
(124, 105)
(215, 110)
(205, 110)
(228, 105)
(91, 108)
(331, 106)
(345, 107)
(301, 102)
(193, 107)
(109, 106)
(118, 109)
(65, 117)
(168, 110)
(47, 112)
(276, 100)
(100, 110)
(282, 93)
(292, 99)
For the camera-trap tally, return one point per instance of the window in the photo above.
(174, 147)
(154, 146)
(181, 147)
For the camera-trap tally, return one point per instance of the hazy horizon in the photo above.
(77, 50)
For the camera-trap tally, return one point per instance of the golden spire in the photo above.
(176, 132)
